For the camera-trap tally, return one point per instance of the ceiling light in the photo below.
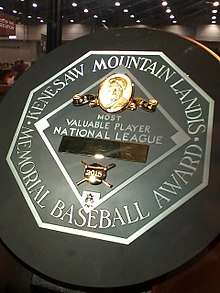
(86, 10)
(14, 11)
(74, 4)
(214, 11)
(29, 16)
(12, 37)
(22, 0)
(138, 21)
(34, 5)
(103, 20)
(95, 16)
(1, 8)
(125, 10)
(71, 20)
(132, 16)
(214, 17)
(38, 17)
(41, 20)
(164, 3)
(168, 10)
(216, 3)
(172, 16)
(117, 3)
(174, 21)
(213, 21)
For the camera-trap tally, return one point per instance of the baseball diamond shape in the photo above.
(179, 138)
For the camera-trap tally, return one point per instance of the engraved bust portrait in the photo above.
(115, 93)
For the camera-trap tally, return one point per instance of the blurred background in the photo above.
(24, 25)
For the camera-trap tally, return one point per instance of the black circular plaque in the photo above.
(114, 195)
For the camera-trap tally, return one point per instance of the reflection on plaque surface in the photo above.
(106, 148)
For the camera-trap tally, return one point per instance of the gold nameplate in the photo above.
(133, 152)
(116, 94)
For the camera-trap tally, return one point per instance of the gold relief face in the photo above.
(115, 93)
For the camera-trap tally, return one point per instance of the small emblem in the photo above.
(90, 198)
(115, 95)
(96, 174)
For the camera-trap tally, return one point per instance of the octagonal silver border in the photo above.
(149, 225)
